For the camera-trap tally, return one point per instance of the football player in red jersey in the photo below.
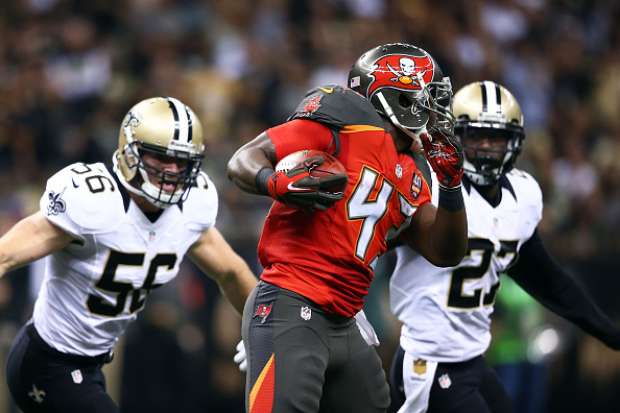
(318, 249)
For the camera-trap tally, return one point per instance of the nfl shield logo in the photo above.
(398, 171)
(444, 381)
(76, 375)
(306, 313)
(419, 366)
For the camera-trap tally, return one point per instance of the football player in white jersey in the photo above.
(110, 237)
(446, 312)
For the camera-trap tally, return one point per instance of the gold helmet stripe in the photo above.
(182, 120)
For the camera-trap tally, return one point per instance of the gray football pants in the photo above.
(301, 359)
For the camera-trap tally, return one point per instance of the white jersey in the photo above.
(446, 312)
(94, 287)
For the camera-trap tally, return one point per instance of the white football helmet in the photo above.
(161, 126)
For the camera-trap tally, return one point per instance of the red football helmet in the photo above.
(405, 84)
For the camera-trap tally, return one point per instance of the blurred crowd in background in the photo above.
(70, 70)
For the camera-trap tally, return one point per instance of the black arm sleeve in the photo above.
(538, 274)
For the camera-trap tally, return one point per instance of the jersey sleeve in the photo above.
(412, 176)
(201, 206)
(421, 190)
(81, 199)
(423, 184)
(300, 134)
(414, 190)
(538, 274)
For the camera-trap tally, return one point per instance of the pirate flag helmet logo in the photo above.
(404, 84)
(401, 71)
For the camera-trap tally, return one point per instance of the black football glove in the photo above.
(298, 188)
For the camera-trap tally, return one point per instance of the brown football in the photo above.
(331, 172)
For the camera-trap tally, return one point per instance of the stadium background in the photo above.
(69, 70)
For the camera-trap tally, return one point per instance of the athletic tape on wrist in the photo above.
(262, 180)
(451, 199)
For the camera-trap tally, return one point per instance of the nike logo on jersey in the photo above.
(327, 90)
(74, 184)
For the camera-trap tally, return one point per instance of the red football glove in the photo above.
(445, 154)
(297, 187)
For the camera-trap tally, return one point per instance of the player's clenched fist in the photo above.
(445, 154)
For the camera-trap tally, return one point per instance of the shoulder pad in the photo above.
(338, 107)
(83, 199)
(527, 191)
(201, 206)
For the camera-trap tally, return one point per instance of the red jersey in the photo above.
(329, 256)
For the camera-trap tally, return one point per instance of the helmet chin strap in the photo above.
(390, 114)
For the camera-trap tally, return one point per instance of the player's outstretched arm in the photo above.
(217, 259)
(538, 274)
(31, 238)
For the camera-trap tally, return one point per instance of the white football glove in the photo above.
(240, 357)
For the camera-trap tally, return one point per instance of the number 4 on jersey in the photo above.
(360, 207)
(371, 210)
